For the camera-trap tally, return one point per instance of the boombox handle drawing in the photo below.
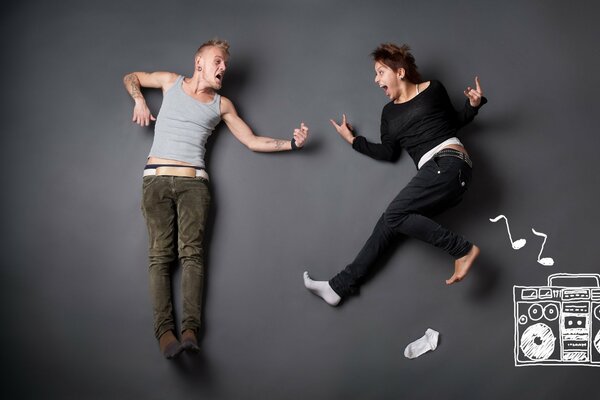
(573, 276)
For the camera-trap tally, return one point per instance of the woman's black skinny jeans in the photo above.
(438, 185)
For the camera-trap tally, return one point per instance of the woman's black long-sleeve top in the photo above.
(417, 125)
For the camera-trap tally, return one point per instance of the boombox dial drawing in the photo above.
(558, 324)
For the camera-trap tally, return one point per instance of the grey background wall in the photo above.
(76, 316)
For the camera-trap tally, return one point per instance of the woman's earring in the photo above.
(199, 68)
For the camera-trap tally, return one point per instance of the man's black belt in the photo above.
(454, 153)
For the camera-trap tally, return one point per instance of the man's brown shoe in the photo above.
(189, 342)
(169, 345)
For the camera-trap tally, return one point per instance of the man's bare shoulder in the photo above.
(158, 79)
(227, 106)
(168, 77)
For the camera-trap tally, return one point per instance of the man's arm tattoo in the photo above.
(279, 144)
(133, 85)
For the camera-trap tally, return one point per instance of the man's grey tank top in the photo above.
(183, 125)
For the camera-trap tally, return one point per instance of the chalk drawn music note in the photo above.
(517, 244)
(546, 261)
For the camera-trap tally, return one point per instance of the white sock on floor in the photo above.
(322, 289)
(421, 346)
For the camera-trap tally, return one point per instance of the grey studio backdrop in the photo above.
(76, 312)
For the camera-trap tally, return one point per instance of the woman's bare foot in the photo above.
(462, 265)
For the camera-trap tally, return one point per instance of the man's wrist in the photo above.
(294, 145)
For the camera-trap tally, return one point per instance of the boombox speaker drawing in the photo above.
(558, 324)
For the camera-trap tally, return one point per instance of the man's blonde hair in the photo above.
(222, 44)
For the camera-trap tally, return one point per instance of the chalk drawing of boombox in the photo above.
(558, 325)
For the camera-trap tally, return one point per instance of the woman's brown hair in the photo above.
(397, 57)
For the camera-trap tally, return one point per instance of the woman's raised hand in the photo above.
(474, 95)
(344, 129)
